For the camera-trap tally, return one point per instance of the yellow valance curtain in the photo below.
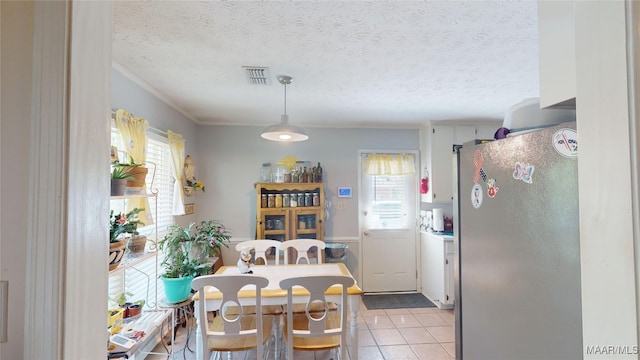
(133, 131)
(176, 146)
(389, 164)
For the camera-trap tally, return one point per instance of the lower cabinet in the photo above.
(437, 269)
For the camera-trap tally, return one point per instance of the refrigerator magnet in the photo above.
(523, 172)
(565, 142)
(476, 196)
(492, 188)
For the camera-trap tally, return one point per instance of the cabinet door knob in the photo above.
(366, 233)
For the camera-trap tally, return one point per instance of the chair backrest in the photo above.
(229, 286)
(302, 246)
(318, 326)
(260, 247)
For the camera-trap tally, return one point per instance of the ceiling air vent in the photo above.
(257, 75)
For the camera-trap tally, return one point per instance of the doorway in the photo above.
(388, 206)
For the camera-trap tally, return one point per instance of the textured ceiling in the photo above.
(354, 64)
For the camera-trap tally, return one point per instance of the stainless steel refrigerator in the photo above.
(517, 268)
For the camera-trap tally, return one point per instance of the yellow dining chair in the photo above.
(230, 333)
(314, 331)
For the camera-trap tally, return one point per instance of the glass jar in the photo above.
(301, 200)
(263, 201)
(285, 200)
(316, 199)
(278, 200)
(271, 200)
(293, 202)
(307, 199)
(278, 173)
(265, 172)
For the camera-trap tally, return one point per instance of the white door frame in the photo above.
(416, 235)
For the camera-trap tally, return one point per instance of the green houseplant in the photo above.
(131, 308)
(180, 263)
(119, 225)
(119, 177)
(213, 235)
(138, 172)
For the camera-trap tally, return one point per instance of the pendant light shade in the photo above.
(284, 131)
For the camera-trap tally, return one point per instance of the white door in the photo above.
(388, 207)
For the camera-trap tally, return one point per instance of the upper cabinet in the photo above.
(436, 143)
(556, 31)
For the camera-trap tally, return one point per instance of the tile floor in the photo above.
(420, 334)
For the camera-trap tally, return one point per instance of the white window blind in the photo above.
(141, 280)
(389, 198)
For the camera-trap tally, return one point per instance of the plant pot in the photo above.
(125, 309)
(177, 289)
(139, 173)
(118, 186)
(134, 310)
(116, 252)
(137, 244)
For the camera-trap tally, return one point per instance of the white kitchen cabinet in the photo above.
(557, 54)
(463, 133)
(437, 269)
(437, 146)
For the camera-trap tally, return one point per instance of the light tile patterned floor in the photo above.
(419, 334)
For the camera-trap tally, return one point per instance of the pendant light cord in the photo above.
(285, 98)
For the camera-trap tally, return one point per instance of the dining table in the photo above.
(274, 295)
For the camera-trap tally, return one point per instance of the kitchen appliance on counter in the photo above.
(426, 219)
(438, 220)
(517, 259)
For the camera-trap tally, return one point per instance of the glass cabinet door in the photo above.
(307, 224)
(274, 225)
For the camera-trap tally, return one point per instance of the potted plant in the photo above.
(119, 177)
(120, 224)
(130, 308)
(213, 235)
(182, 261)
(138, 172)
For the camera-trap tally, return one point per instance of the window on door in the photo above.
(389, 190)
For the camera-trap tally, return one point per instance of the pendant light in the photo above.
(284, 131)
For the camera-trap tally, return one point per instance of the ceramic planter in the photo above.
(118, 186)
(177, 289)
(137, 244)
(116, 252)
(139, 173)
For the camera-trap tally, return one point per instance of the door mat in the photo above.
(395, 301)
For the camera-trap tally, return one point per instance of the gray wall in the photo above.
(228, 161)
(231, 157)
(136, 99)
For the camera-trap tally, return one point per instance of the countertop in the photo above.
(444, 236)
